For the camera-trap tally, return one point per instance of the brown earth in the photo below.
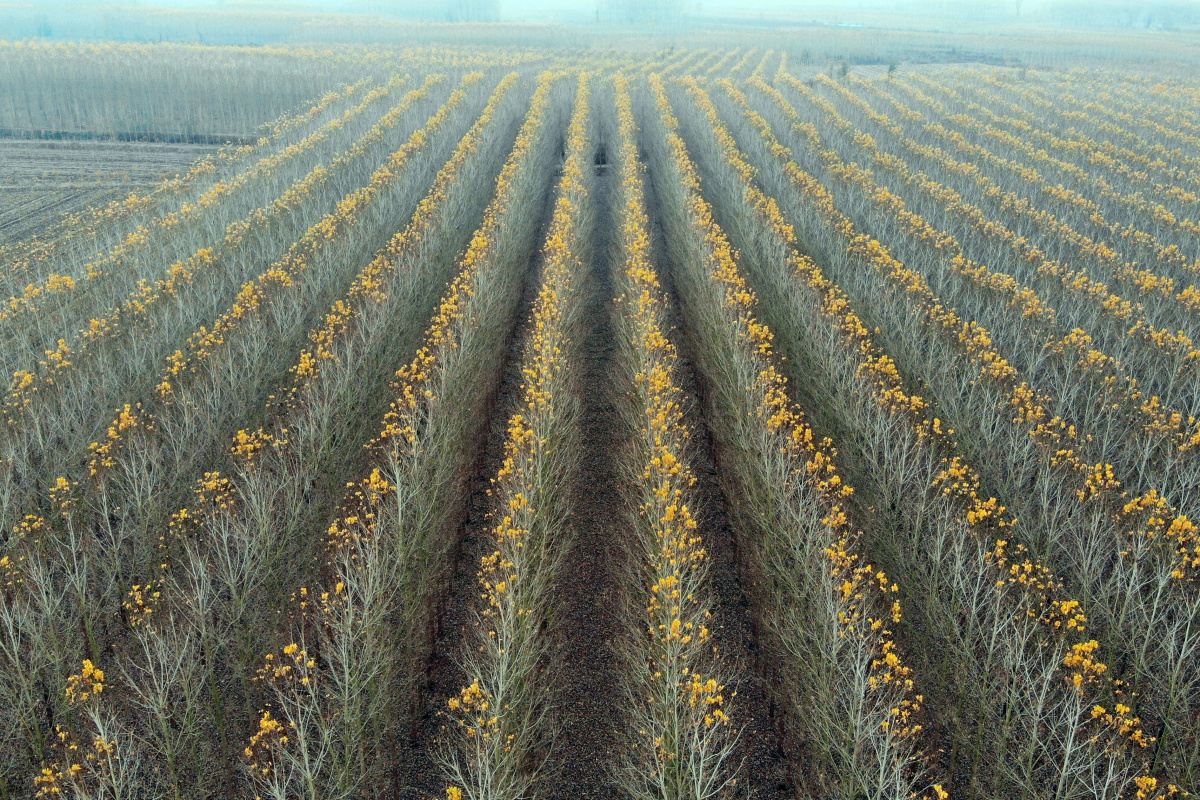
(589, 608)
(41, 180)
(589, 625)
(419, 777)
(765, 771)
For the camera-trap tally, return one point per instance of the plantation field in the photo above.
(483, 422)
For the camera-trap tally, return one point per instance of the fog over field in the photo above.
(920, 14)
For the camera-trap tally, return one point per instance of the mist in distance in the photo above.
(80, 18)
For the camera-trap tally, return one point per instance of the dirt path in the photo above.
(587, 624)
(419, 775)
(765, 772)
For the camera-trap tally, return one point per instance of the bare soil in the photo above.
(765, 769)
(419, 777)
(588, 625)
(41, 180)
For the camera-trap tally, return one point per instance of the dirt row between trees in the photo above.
(417, 776)
(589, 619)
(41, 180)
(765, 772)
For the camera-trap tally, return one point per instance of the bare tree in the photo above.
(472, 10)
(641, 12)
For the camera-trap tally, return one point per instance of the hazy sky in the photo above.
(1152, 14)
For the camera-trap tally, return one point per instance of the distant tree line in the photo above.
(1160, 14)
(1134, 14)
(639, 12)
(449, 10)
(472, 10)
